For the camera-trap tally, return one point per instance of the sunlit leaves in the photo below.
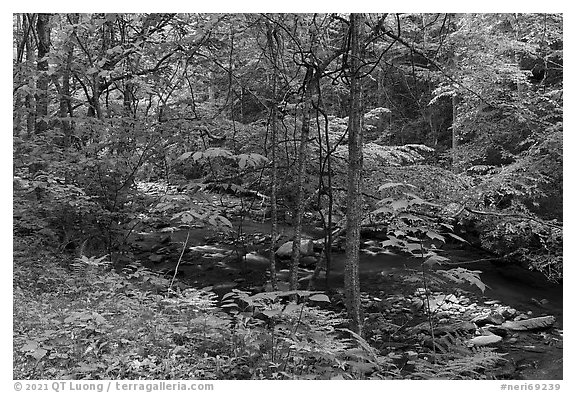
(454, 236)
(201, 217)
(393, 241)
(252, 160)
(185, 156)
(462, 275)
(435, 260)
(211, 153)
(218, 220)
(394, 184)
(34, 349)
(434, 235)
(244, 161)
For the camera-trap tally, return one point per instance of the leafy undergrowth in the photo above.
(81, 319)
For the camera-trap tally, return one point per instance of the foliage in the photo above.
(473, 364)
(418, 234)
(138, 330)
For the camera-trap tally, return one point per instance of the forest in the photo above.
(287, 196)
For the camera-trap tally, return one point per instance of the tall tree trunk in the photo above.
(300, 178)
(128, 116)
(328, 236)
(65, 110)
(30, 100)
(19, 109)
(354, 207)
(43, 34)
(270, 34)
(94, 107)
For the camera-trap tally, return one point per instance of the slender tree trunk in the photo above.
(274, 130)
(94, 107)
(455, 101)
(354, 207)
(328, 236)
(43, 34)
(19, 77)
(300, 178)
(30, 100)
(325, 190)
(128, 106)
(21, 29)
(128, 101)
(273, 201)
(65, 111)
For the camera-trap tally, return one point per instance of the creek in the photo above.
(239, 259)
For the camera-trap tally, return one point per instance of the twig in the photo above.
(179, 260)
(428, 309)
(516, 215)
(476, 261)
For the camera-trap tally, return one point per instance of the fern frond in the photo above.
(465, 363)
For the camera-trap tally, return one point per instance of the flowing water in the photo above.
(210, 262)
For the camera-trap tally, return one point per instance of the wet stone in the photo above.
(465, 326)
(419, 292)
(531, 324)
(285, 250)
(507, 312)
(308, 261)
(481, 341)
(451, 299)
(492, 317)
(498, 330)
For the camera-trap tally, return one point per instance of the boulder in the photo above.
(306, 249)
(481, 341)
(493, 317)
(507, 312)
(308, 261)
(498, 330)
(318, 244)
(256, 258)
(451, 298)
(530, 324)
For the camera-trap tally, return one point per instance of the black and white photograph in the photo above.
(201, 196)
